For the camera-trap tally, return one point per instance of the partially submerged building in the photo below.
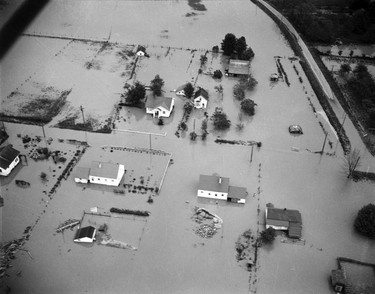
(238, 67)
(159, 106)
(9, 158)
(104, 173)
(85, 235)
(216, 187)
(201, 98)
(284, 220)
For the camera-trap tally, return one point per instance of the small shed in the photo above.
(85, 235)
(338, 280)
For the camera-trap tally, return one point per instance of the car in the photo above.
(295, 129)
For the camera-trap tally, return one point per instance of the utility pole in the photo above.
(44, 134)
(324, 143)
(354, 167)
(251, 156)
(338, 133)
(84, 123)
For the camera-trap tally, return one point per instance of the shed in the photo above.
(338, 279)
(85, 235)
(9, 158)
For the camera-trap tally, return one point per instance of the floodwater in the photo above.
(171, 258)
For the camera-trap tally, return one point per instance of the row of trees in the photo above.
(361, 87)
(236, 48)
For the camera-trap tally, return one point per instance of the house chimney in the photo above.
(100, 165)
(220, 180)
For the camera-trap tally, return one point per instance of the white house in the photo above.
(9, 158)
(106, 173)
(216, 187)
(141, 51)
(200, 98)
(85, 235)
(159, 106)
(81, 174)
(180, 91)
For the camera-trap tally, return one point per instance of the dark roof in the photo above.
(212, 183)
(237, 192)
(85, 232)
(82, 172)
(295, 230)
(284, 215)
(201, 92)
(104, 170)
(338, 277)
(158, 101)
(7, 155)
(239, 67)
(3, 136)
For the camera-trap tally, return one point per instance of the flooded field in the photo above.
(170, 256)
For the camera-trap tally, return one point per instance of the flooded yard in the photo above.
(170, 257)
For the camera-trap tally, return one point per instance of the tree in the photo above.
(267, 236)
(241, 46)
(248, 106)
(136, 93)
(228, 45)
(217, 74)
(189, 90)
(345, 68)
(248, 83)
(220, 120)
(204, 129)
(248, 54)
(371, 118)
(156, 84)
(238, 92)
(352, 161)
(365, 221)
(203, 59)
(215, 49)
(193, 136)
(220, 90)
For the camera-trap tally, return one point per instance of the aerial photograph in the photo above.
(187, 146)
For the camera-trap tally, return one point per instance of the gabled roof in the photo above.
(295, 230)
(86, 232)
(212, 183)
(7, 155)
(239, 67)
(158, 101)
(237, 192)
(104, 169)
(284, 215)
(201, 92)
(182, 87)
(82, 172)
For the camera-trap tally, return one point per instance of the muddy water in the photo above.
(170, 257)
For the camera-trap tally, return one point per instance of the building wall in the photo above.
(212, 194)
(5, 172)
(109, 181)
(80, 180)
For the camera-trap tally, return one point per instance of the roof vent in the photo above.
(220, 180)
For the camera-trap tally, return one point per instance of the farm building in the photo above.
(180, 91)
(218, 188)
(338, 280)
(85, 235)
(159, 106)
(141, 51)
(284, 220)
(104, 173)
(9, 158)
(238, 68)
(200, 98)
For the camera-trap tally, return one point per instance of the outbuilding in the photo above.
(85, 235)
(284, 220)
(238, 67)
(81, 174)
(9, 158)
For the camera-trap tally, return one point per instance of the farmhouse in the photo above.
(9, 158)
(238, 68)
(85, 235)
(159, 106)
(284, 220)
(141, 51)
(180, 91)
(200, 98)
(104, 173)
(218, 188)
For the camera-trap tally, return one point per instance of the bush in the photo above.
(248, 106)
(217, 74)
(267, 236)
(160, 122)
(215, 49)
(365, 221)
(193, 136)
(238, 92)
(220, 120)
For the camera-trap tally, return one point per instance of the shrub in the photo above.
(43, 176)
(238, 92)
(240, 126)
(160, 122)
(267, 236)
(248, 106)
(215, 49)
(365, 221)
(193, 136)
(217, 74)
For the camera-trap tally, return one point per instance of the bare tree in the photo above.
(352, 161)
